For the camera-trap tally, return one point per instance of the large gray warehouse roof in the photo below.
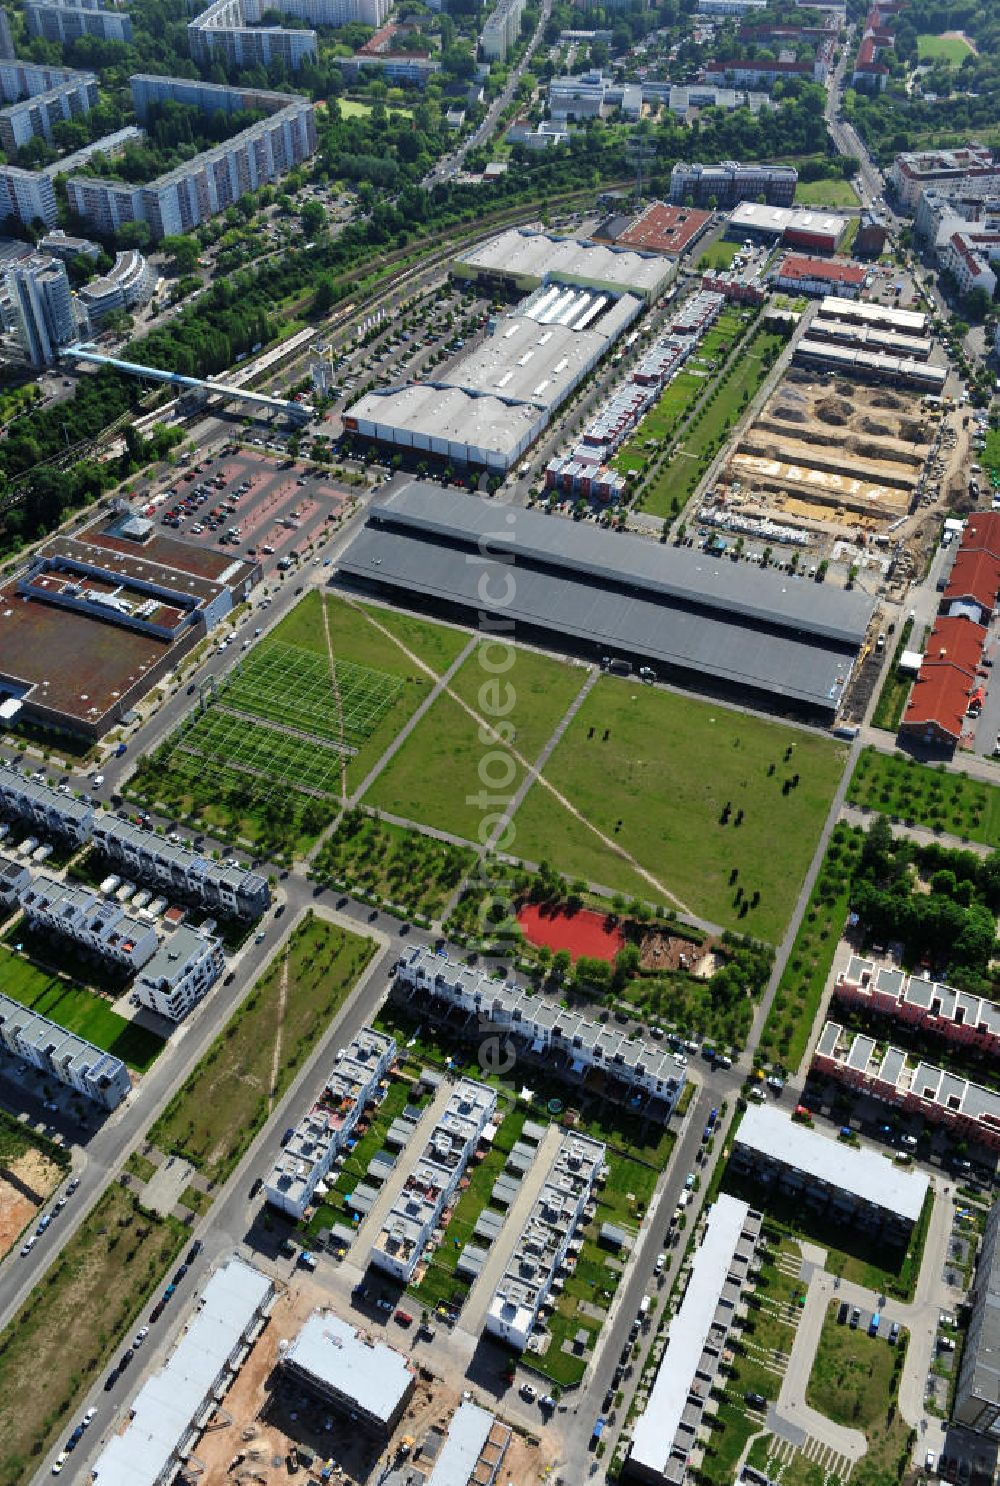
(521, 253)
(865, 1174)
(731, 622)
(428, 410)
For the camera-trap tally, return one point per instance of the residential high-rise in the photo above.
(63, 21)
(6, 40)
(206, 185)
(43, 308)
(38, 98)
(28, 196)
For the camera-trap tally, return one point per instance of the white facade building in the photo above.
(501, 31)
(545, 1241)
(97, 924)
(184, 969)
(545, 1026)
(223, 886)
(38, 804)
(433, 1180)
(319, 1138)
(97, 1075)
(40, 295)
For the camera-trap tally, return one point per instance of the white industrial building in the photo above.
(97, 1075)
(588, 1046)
(544, 1243)
(665, 1435)
(496, 400)
(97, 924)
(173, 1407)
(183, 970)
(474, 1449)
(434, 1179)
(350, 1370)
(319, 1138)
(526, 259)
(874, 316)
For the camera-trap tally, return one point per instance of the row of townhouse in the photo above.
(322, 1135)
(97, 1075)
(586, 470)
(222, 886)
(958, 1016)
(666, 1438)
(172, 975)
(434, 1180)
(967, 1110)
(545, 1241)
(618, 1066)
(100, 925)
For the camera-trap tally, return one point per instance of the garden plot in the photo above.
(292, 687)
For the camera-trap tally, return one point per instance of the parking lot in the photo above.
(259, 508)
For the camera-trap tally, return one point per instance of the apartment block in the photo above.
(183, 970)
(666, 1438)
(319, 1138)
(730, 183)
(38, 98)
(543, 1245)
(79, 1065)
(501, 31)
(147, 857)
(40, 805)
(860, 1187)
(28, 196)
(202, 187)
(129, 282)
(913, 171)
(577, 1048)
(958, 1016)
(355, 1374)
(434, 1180)
(97, 924)
(968, 1110)
(977, 1394)
(63, 21)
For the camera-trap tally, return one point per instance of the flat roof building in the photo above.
(730, 182)
(665, 1434)
(545, 1240)
(224, 885)
(872, 366)
(525, 259)
(874, 316)
(611, 1065)
(167, 1415)
(971, 1111)
(914, 170)
(181, 973)
(796, 227)
(956, 1016)
(740, 631)
(977, 1394)
(352, 1371)
(318, 1139)
(434, 1179)
(474, 1449)
(99, 925)
(861, 1186)
(97, 1075)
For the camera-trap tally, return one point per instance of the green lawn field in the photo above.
(444, 765)
(668, 769)
(77, 1009)
(719, 255)
(732, 395)
(833, 193)
(234, 803)
(950, 49)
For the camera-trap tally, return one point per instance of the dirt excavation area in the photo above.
(25, 1183)
(269, 1430)
(836, 458)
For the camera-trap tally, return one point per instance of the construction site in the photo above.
(271, 1426)
(846, 471)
